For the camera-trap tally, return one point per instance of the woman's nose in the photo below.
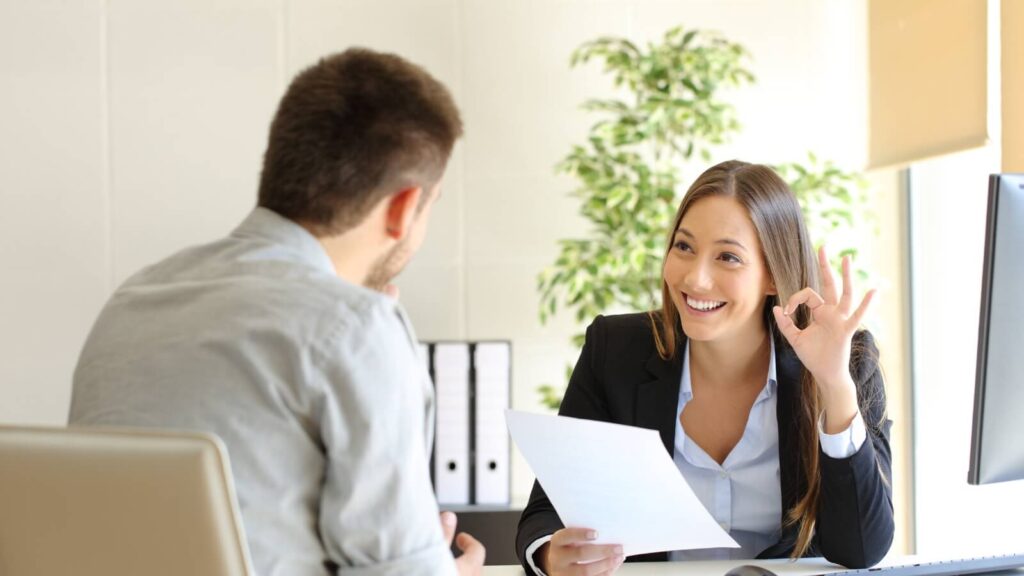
(698, 277)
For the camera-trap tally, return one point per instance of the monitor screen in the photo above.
(997, 442)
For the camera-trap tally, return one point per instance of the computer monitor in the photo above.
(997, 442)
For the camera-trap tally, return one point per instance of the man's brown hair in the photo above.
(352, 129)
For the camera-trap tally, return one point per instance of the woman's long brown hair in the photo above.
(792, 264)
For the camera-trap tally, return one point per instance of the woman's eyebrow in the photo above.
(729, 241)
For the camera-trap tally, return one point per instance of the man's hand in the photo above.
(473, 552)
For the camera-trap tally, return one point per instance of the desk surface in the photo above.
(803, 567)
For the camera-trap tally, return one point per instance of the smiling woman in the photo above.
(714, 270)
(766, 394)
(734, 205)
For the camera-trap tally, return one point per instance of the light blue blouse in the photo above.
(744, 493)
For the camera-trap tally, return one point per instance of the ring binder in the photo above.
(470, 462)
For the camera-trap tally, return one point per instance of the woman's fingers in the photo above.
(858, 315)
(789, 329)
(847, 298)
(571, 536)
(589, 553)
(828, 278)
(606, 566)
(813, 301)
(806, 296)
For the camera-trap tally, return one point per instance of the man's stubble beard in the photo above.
(388, 266)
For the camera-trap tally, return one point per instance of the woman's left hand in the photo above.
(823, 346)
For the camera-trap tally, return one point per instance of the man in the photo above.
(280, 339)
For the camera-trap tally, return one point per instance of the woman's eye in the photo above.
(680, 245)
(731, 258)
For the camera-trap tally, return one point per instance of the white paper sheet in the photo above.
(615, 479)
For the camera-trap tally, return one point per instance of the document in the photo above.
(615, 479)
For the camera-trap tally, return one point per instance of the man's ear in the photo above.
(401, 211)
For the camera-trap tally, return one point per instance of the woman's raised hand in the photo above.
(823, 346)
(571, 553)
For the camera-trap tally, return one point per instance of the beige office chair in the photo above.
(92, 502)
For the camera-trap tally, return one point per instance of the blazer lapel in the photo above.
(656, 399)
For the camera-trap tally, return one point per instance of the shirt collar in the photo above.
(267, 225)
(686, 386)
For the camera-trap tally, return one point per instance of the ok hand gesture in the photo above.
(823, 346)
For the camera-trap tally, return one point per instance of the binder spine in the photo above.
(469, 463)
(472, 423)
(454, 429)
(493, 449)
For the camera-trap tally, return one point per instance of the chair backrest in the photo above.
(91, 502)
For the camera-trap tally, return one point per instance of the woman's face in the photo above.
(715, 271)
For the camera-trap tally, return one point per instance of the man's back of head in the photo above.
(352, 129)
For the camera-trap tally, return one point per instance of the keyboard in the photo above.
(977, 565)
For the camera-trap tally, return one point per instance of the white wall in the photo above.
(131, 129)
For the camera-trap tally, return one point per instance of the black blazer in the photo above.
(620, 378)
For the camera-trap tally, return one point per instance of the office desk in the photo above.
(803, 567)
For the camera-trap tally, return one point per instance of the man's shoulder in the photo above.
(242, 281)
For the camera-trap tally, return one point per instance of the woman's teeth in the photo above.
(703, 305)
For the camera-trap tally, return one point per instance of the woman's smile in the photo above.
(701, 307)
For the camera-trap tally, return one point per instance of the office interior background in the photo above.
(131, 129)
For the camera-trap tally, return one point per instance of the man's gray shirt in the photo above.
(313, 384)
